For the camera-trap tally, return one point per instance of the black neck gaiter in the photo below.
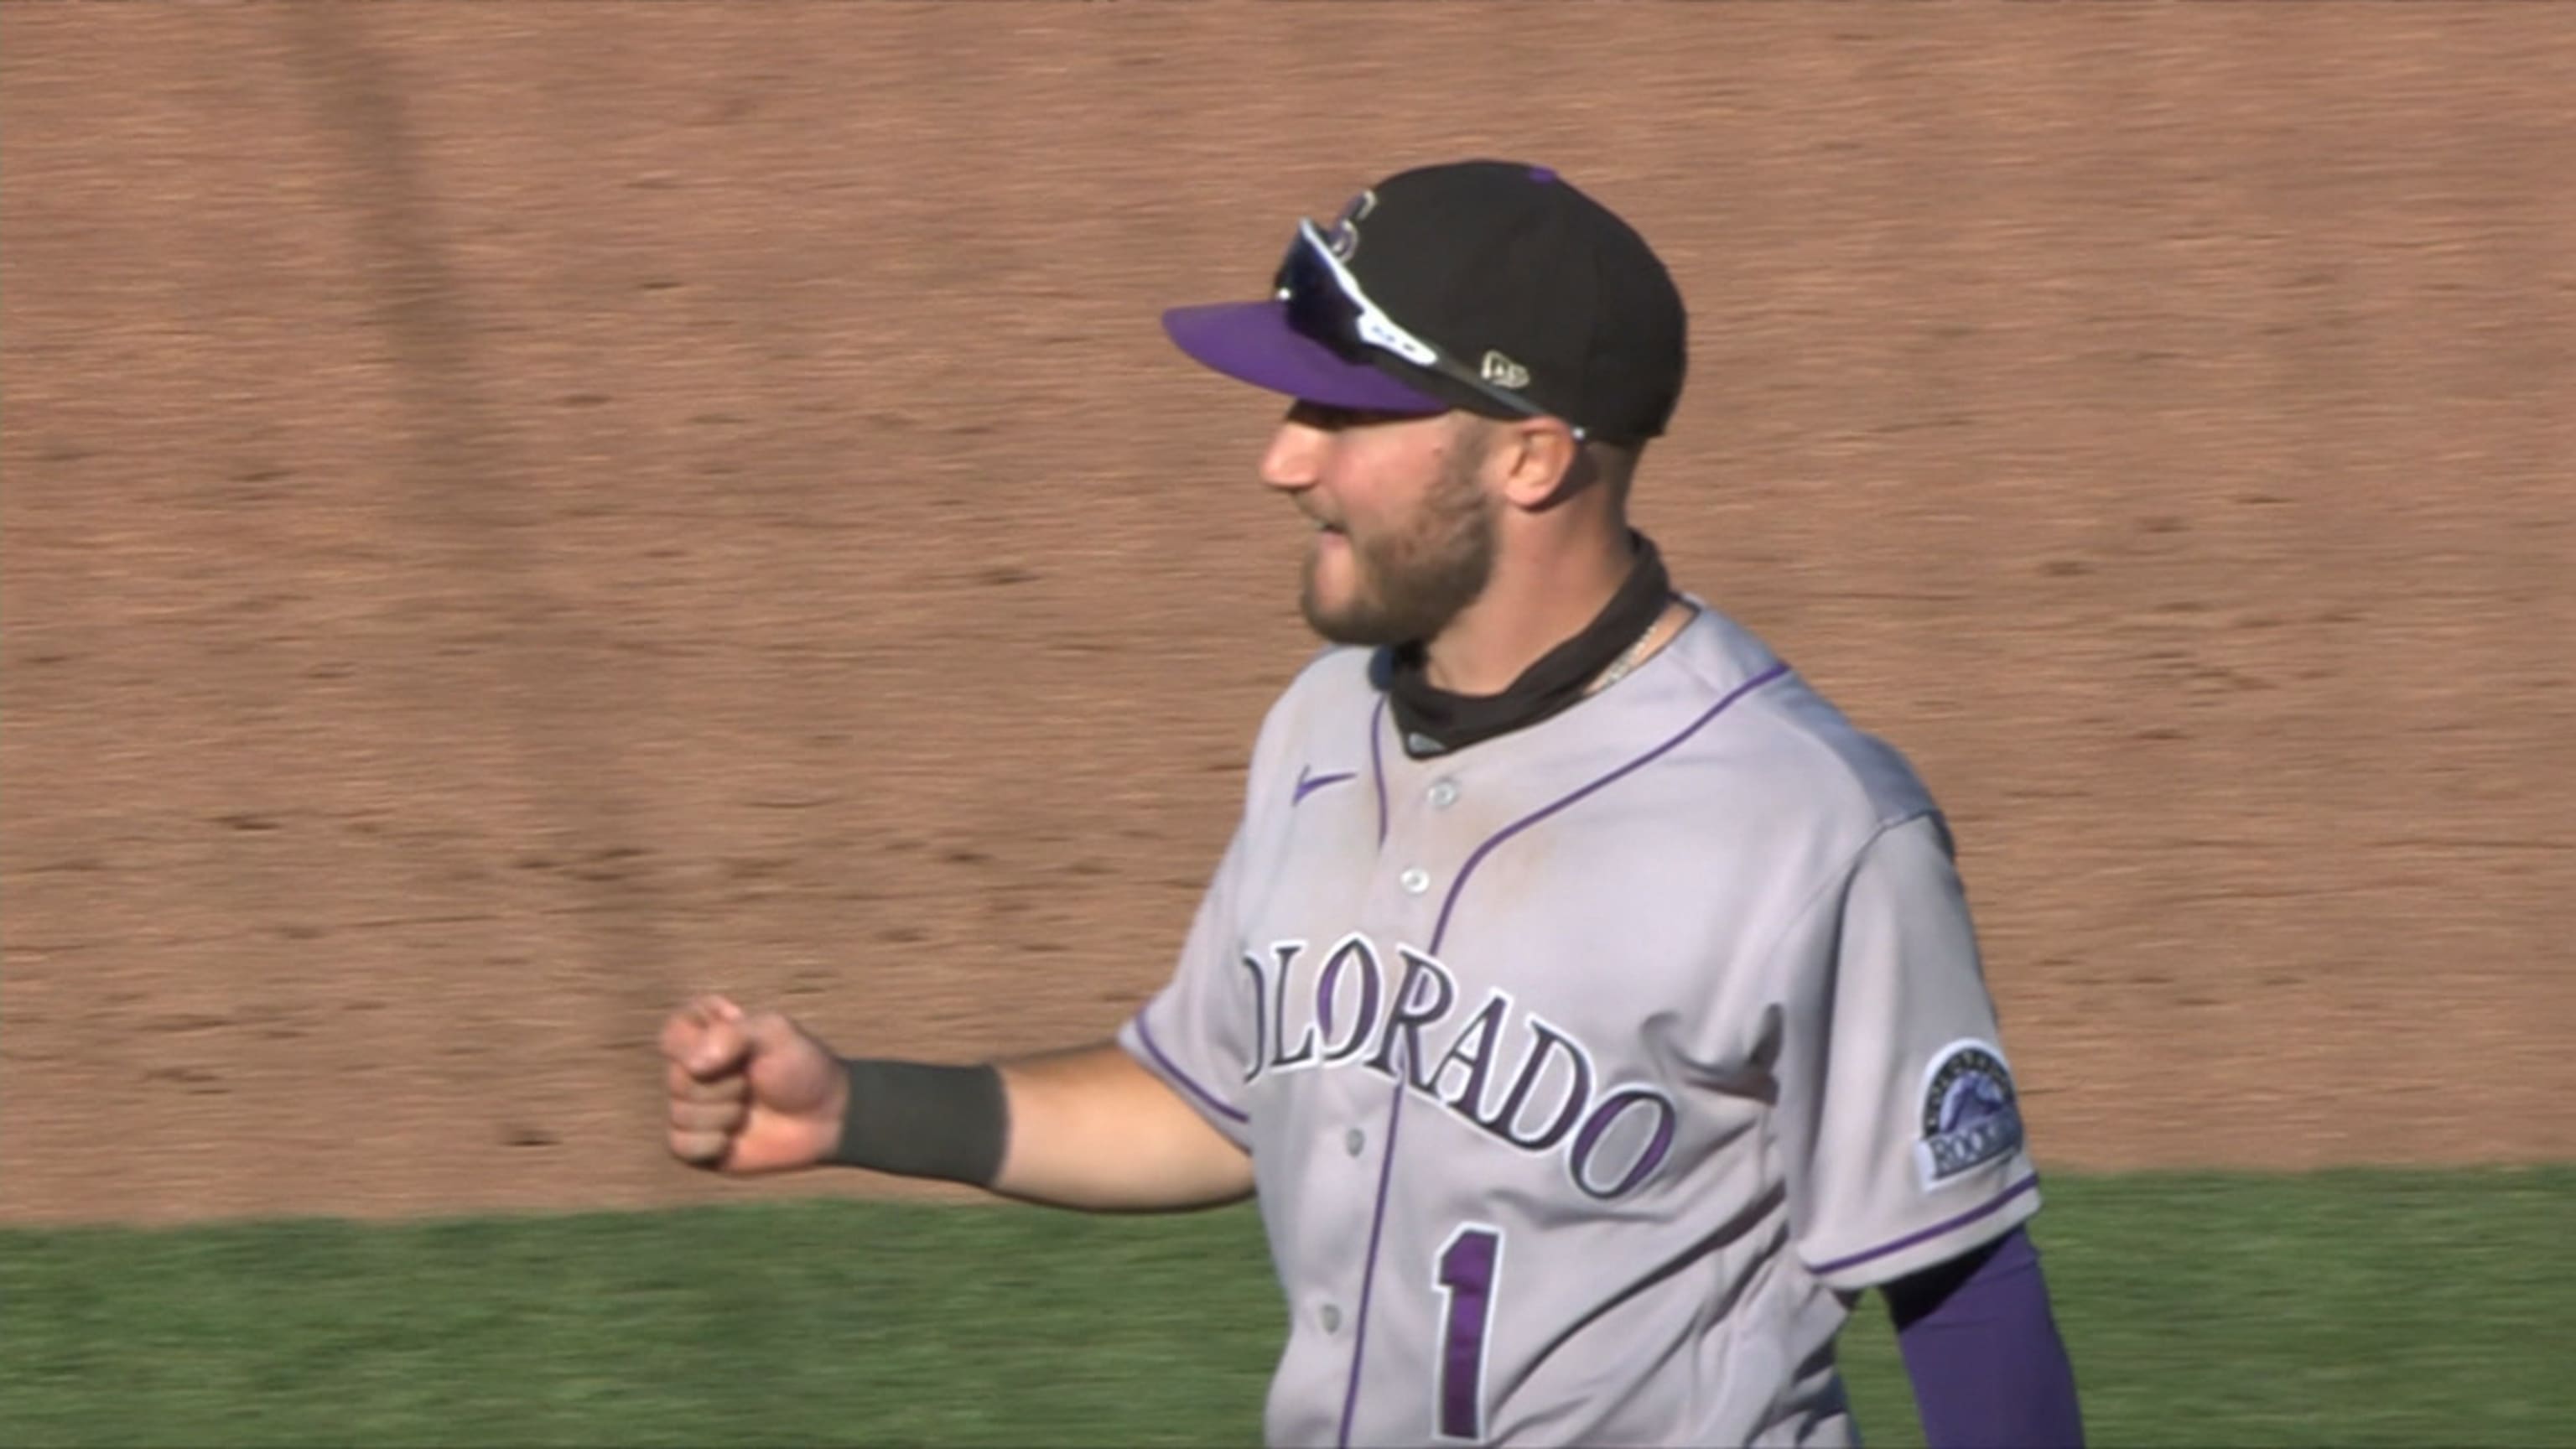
(1434, 721)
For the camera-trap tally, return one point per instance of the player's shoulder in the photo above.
(1332, 692)
(1786, 739)
(1335, 679)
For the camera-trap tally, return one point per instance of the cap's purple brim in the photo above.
(1252, 342)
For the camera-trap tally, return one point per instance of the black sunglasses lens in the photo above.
(1316, 306)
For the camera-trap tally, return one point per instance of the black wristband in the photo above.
(924, 1121)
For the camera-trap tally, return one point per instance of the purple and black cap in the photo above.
(1493, 286)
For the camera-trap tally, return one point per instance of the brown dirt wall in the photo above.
(517, 513)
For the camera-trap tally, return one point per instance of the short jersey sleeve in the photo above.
(1197, 1033)
(1901, 1123)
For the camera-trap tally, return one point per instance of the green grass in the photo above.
(2335, 1309)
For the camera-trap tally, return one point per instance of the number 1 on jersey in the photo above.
(1469, 1263)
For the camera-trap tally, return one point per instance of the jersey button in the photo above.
(1415, 881)
(1353, 1141)
(1444, 793)
(1332, 1317)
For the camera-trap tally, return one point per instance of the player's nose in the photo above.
(1295, 457)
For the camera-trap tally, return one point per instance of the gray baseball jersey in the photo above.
(1589, 1072)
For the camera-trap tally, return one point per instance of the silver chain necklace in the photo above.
(1628, 658)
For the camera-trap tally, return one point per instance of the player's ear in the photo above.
(1540, 461)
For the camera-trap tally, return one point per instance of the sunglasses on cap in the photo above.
(1326, 303)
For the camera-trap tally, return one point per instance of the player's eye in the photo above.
(1333, 419)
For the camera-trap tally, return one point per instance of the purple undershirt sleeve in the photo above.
(1982, 1349)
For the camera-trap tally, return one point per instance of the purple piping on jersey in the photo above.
(1377, 762)
(1639, 763)
(1368, 1275)
(1145, 1034)
(1934, 1231)
(1386, 1165)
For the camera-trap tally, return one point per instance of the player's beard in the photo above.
(1410, 582)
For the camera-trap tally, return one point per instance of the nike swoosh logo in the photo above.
(1308, 783)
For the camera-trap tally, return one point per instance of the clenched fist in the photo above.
(750, 1094)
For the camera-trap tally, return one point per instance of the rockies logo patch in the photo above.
(1970, 1115)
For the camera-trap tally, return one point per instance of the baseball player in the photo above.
(1593, 1009)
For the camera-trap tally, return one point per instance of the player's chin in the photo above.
(1331, 581)
(1348, 618)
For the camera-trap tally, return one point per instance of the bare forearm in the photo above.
(1091, 1129)
(1086, 1128)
